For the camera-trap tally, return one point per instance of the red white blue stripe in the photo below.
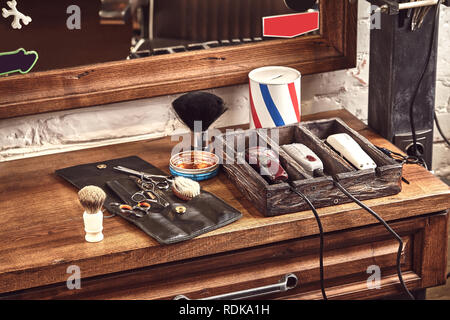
(274, 105)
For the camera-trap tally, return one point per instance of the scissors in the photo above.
(139, 210)
(159, 181)
(150, 192)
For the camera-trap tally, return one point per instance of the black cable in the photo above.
(440, 130)
(396, 236)
(319, 224)
(416, 91)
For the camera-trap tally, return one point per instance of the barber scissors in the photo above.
(150, 192)
(159, 181)
(139, 210)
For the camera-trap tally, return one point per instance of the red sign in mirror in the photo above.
(290, 25)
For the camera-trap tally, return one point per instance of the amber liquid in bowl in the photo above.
(194, 163)
(202, 165)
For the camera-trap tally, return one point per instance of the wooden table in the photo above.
(41, 232)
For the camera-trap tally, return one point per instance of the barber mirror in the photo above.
(68, 33)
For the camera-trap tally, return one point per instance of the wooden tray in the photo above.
(276, 199)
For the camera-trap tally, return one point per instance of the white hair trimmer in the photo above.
(305, 157)
(351, 151)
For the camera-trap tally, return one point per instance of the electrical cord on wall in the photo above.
(440, 130)
(382, 221)
(416, 91)
(319, 224)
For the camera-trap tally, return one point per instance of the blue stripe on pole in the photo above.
(271, 107)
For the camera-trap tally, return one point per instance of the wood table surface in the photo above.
(42, 230)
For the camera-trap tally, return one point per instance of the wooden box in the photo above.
(276, 199)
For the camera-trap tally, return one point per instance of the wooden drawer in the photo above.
(348, 254)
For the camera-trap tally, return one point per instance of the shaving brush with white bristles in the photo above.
(185, 189)
(92, 199)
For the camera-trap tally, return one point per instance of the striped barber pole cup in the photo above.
(274, 97)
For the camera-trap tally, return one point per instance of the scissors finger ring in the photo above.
(126, 208)
(144, 196)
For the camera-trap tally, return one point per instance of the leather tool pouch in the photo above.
(204, 213)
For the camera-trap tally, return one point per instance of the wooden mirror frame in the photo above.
(333, 49)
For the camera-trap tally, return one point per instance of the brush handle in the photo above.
(93, 225)
(198, 142)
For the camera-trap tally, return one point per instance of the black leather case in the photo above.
(204, 213)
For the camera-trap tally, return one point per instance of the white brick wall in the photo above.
(147, 118)
(441, 159)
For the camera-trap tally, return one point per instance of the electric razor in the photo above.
(305, 157)
(348, 148)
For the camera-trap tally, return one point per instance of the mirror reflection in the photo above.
(75, 33)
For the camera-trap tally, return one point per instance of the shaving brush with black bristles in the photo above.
(198, 111)
(92, 199)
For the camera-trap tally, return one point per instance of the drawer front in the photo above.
(348, 255)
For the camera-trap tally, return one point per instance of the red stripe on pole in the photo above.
(255, 118)
(290, 25)
(294, 99)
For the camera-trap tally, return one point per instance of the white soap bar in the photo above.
(351, 151)
(305, 157)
